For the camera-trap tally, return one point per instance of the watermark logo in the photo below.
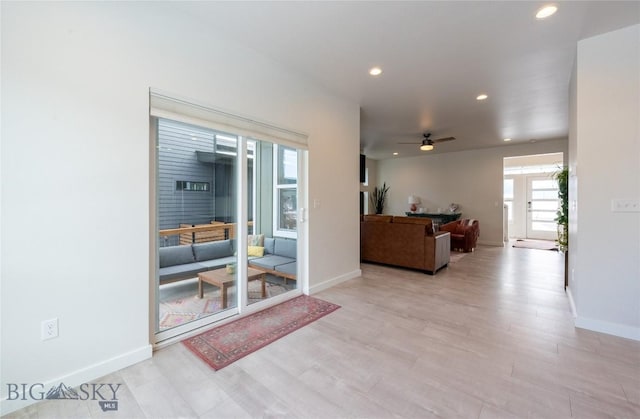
(106, 394)
(62, 392)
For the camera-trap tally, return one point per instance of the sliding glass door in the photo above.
(227, 225)
(272, 249)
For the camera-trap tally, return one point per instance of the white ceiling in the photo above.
(436, 58)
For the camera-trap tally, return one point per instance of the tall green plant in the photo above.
(379, 197)
(562, 216)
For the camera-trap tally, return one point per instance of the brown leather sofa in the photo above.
(403, 241)
(464, 234)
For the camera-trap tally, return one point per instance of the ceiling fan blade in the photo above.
(442, 140)
(409, 143)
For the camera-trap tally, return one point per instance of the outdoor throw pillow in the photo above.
(255, 240)
(255, 251)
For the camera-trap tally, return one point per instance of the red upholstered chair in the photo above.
(464, 234)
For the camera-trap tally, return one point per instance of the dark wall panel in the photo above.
(178, 161)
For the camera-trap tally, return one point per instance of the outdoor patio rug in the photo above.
(223, 345)
(536, 244)
(179, 303)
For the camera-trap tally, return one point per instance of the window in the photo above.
(285, 191)
(185, 185)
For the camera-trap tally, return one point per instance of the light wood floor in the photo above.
(491, 336)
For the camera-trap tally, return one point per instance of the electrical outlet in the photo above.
(49, 329)
(625, 205)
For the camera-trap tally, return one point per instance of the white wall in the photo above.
(473, 179)
(606, 245)
(75, 171)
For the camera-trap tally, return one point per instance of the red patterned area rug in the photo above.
(223, 345)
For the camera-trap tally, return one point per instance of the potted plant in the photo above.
(379, 197)
(562, 218)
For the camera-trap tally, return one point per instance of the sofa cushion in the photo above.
(271, 261)
(212, 250)
(412, 220)
(218, 263)
(378, 218)
(181, 271)
(269, 244)
(460, 229)
(255, 251)
(286, 247)
(255, 240)
(288, 268)
(175, 255)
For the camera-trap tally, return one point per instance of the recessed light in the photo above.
(481, 97)
(507, 139)
(395, 154)
(375, 71)
(546, 11)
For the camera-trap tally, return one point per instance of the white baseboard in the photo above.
(81, 376)
(334, 281)
(491, 243)
(616, 329)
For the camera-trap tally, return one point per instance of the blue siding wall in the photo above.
(177, 160)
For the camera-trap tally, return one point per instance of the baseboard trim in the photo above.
(334, 281)
(616, 329)
(491, 243)
(81, 376)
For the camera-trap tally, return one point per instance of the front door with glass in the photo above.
(542, 205)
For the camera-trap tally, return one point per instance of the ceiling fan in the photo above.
(427, 143)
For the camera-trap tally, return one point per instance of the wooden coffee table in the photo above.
(223, 280)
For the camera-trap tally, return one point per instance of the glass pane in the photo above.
(508, 189)
(544, 226)
(196, 192)
(287, 165)
(274, 212)
(287, 198)
(545, 194)
(544, 184)
(544, 205)
(522, 170)
(543, 215)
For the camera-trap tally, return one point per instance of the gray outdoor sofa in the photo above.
(186, 261)
(279, 258)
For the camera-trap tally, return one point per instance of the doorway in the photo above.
(225, 205)
(531, 196)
